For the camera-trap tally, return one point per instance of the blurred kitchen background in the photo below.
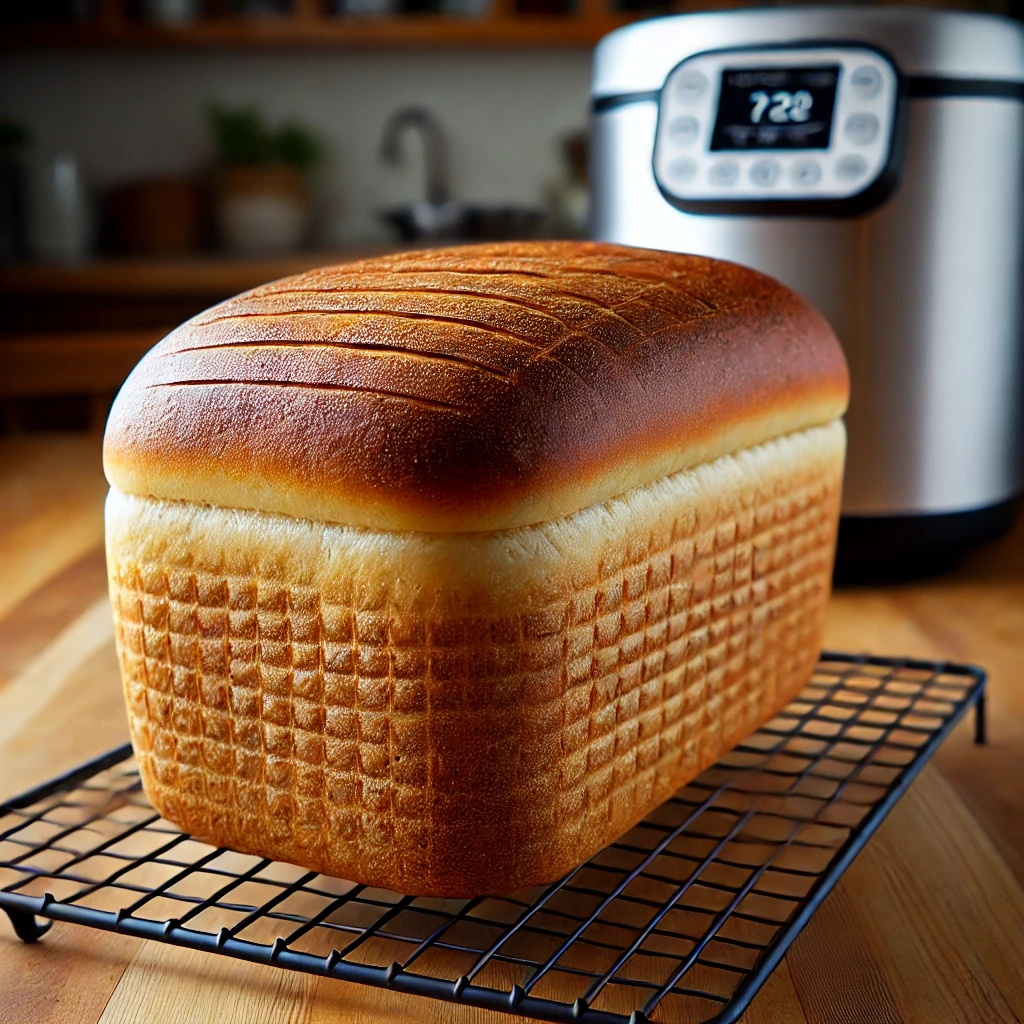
(157, 156)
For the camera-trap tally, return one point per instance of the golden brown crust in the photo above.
(460, 715)
(475, 388)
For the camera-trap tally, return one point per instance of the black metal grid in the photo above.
(684, 916)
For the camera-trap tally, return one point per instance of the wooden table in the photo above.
(927, 925)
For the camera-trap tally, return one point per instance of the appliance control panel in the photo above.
(801, 123)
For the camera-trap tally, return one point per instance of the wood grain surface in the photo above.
(926, 927)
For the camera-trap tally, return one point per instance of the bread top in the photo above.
(471, 389)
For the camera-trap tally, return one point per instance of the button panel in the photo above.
(851, 167)
(764, 173)
(805, 174)
(724, 173)
(691, 86)
(861, 129)
(866, 81)
(684, 131)
(858, 144)
(683, 171)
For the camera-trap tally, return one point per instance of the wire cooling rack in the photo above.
(684, 917)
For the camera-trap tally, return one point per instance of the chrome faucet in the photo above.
(435, 148)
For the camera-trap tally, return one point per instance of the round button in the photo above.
(764, 173)
(724, 173)
(682, 171)
(691, 85)
(805, 173)
(850, 168)
(684, 130)
(861, 129)
(866, 81)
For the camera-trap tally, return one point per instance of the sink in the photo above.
(437, 218)
(463, 222)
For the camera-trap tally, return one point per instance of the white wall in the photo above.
(134, 114)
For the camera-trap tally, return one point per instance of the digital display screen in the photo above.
(776, 108)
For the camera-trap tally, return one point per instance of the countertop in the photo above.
(926, 926)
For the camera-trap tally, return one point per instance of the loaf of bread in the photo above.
(439, 571)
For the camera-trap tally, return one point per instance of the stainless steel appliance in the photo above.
(873, 160)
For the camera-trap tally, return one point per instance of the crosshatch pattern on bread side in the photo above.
(457, 755)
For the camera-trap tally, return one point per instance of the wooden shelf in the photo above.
(80, 329)
(72, 363)
(292, 32)
(309, 26)
(205, 275)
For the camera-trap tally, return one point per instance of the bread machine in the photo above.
(873, 160)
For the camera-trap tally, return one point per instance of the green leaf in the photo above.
(297, 146)
(242, 135)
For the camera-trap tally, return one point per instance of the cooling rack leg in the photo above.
(27, 926)
(980, 724)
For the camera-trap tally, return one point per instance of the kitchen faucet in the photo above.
(435, 148)
(438, 218)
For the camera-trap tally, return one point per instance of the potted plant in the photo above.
(262, 197)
